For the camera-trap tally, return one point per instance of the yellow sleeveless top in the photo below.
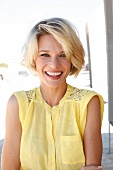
(52, 137)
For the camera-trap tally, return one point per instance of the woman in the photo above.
(55, 126)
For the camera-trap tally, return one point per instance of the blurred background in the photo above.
(17, 17)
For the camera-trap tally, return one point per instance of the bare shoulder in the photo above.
(93, 112)
(12, 106)
(95, 101)
(12, 101)
(12, 111)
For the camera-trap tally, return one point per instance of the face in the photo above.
(51, 63)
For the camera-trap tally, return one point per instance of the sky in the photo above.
(18, 16)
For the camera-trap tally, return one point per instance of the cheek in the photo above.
(67, 65)
(38, 64)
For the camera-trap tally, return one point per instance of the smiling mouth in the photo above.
(54, 74)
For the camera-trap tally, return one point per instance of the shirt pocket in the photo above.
(72, 149)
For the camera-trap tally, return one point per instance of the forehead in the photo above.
(48, 42)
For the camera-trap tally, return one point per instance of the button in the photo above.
(51, 163)
(51, 144)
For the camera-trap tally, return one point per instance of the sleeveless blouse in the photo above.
(52, 137)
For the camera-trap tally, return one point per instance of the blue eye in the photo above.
(62, 55)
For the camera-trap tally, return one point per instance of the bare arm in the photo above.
(11, 147)
(92, 136)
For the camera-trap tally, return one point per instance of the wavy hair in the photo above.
(65, 34)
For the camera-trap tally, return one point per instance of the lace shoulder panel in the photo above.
(77, 94)
(31, 94)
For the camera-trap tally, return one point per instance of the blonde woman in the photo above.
(54, 126)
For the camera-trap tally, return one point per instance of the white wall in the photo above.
(97, 40)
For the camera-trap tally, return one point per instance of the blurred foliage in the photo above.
(3, 65)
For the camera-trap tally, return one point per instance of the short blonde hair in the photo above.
(64, 32)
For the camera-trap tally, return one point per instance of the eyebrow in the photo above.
(49, 51)
(44, 51)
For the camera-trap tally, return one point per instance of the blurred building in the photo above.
(99, 35)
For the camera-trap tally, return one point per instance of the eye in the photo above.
(45, 55)
(62, 55)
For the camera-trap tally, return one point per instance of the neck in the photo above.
(52, 96)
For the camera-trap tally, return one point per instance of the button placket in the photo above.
(52, 129)
(51, 146)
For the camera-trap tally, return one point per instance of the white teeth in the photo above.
(54, 73)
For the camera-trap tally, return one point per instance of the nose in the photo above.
(54, 63)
